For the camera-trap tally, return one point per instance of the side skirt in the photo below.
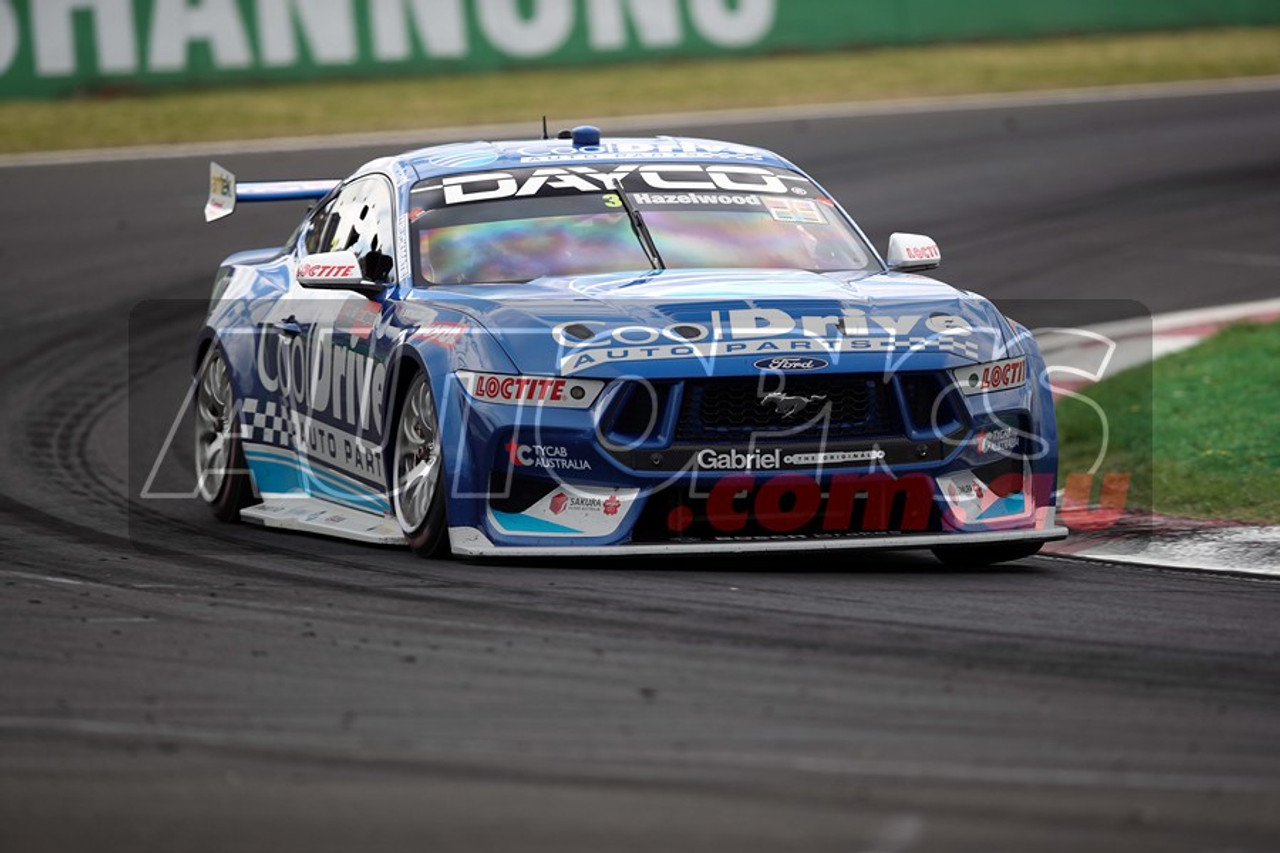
(312, 515)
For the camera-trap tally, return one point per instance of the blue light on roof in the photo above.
(586, 136)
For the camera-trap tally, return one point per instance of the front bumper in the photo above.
(471, 542)
(971, 470)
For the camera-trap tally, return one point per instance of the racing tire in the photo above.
(977, 556)
(417, 470)
(222, 475)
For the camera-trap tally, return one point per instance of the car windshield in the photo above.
(518, 226)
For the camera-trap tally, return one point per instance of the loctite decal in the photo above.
(995, 376)
(341, 271)
(549, 391)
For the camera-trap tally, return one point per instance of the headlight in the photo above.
(552, 392)
(992, 376)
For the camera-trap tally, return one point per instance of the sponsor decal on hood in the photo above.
(655, 323)
(773, 332)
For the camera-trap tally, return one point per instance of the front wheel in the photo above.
(222, 476)
(977, 556)
(418, 471)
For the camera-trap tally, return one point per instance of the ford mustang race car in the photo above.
(586, 345)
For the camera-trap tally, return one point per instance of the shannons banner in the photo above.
(51, 48)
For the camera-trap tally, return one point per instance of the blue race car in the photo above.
(612, 346)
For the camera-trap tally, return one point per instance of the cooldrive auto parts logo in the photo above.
(763, 331)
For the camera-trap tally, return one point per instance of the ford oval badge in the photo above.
(783, 363)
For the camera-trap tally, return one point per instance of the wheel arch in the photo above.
(204, 341)
(406, 366)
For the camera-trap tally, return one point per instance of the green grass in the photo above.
(601, 92)
(1199, 430)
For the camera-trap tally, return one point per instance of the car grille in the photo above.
(931, 405)
(730, 410)
(839, 407)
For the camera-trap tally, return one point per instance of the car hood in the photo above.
(674, 323)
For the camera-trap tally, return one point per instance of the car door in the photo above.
(341, 426)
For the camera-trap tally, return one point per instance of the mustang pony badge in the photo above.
(789, 405)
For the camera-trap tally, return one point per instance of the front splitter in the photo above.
(471, 542)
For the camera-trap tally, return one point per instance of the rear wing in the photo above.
(224, 192)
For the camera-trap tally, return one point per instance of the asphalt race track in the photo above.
(228, 689)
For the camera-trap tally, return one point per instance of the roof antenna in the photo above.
(545, 134)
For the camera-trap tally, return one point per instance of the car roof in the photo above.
(472, 156)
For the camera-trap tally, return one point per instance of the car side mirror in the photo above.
(336, 271)
(913, 253)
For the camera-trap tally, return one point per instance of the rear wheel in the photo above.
(222, 476)
(418, 471)
(976, 556)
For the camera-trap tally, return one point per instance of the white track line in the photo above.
(1230, 550)
(1173, 322)
(401, 139)
(1141, 339)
